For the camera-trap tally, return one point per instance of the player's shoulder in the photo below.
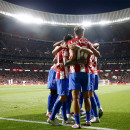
(71, 41)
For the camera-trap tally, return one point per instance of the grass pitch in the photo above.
(30, 103)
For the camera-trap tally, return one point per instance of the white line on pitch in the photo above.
(40, 122)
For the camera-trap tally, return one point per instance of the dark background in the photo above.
(74, 6)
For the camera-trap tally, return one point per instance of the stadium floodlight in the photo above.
(87, 24)
(104, 22)
(28, 19)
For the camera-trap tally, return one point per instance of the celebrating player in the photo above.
(92, 88)
(51, 84)
(79, 73)
(96, 45)
(62, 84)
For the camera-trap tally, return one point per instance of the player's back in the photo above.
(80, 54)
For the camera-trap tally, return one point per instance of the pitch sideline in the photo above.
(39, 122)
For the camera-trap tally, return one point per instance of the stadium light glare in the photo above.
(104, 22)
(87, 24)
(28, 19)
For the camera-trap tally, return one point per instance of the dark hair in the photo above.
(79, 30)
(67, 37)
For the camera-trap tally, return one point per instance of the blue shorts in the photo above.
(92, 82)
(79, 81)
(51, 83)
(62, 86)
(96, 82)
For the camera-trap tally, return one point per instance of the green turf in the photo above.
(30, 103)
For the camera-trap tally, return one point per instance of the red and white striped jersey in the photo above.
(93, 65)
(82, 43)
(54, 67)
(62, 72)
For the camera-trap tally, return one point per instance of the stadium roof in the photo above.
(29, 15)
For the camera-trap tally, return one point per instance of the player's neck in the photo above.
(78, 37)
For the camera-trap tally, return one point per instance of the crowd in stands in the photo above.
(28, 48)
(115, 73)
(113, 66)
(115, 77)
(23, 48)
(114, 56)
(20, 77)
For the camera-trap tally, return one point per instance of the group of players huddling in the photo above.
(74, 77)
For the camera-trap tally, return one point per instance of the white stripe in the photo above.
(10, 119)
(40, 122)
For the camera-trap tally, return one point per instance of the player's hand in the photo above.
(96, 45)
(63, 46)
(61, 65)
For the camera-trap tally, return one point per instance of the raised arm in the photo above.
(58, 43)
(73, 62)
(56, 50)
(96, 52)
(76, 47)
(54, 60)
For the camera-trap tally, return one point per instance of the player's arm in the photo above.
(73, 62)
(86, 50)
(57, 43)
(54, 60)
(58, 48)
(72, 55)
(66, 60)
(96, 52)
(96, 46)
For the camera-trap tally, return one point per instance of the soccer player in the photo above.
(96, 45)
(79, 73)
(51, 84)
(62, 84)
(91, 92)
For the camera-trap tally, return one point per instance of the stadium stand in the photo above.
(23, 54)
(28, 47)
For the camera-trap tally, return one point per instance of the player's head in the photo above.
(67, 37)
(79, 31)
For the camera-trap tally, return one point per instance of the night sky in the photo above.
(74, 6)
